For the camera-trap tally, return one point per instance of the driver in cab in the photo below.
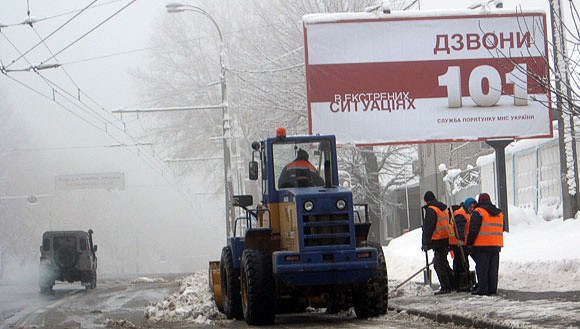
(300, 173)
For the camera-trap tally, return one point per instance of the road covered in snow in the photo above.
(115, 303)
(163, 301)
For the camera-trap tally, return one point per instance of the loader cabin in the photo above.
(295, 162)
(303, 186)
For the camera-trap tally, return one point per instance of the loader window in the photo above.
(300, 164)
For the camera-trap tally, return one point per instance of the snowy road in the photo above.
(70, 306)
(120, 303)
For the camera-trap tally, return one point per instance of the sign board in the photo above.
(108, 181)
(415, 77)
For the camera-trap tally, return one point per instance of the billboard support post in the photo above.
(499, 147)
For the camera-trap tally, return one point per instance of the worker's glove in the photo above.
(424, 248)
(460, 243)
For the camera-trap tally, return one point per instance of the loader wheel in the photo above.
(373, 298)
(230, 284)
(258, 287)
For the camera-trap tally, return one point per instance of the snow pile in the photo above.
(537, 256)
(149, 280)
(120, 324)
(193, 302)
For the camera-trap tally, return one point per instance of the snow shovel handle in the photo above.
(463, 258)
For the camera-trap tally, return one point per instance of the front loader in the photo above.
(304, 244)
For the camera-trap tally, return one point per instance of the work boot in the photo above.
(442, 291)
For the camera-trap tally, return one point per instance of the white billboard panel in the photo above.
(417, 77)
(108, 181)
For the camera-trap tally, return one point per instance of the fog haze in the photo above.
(60, 122)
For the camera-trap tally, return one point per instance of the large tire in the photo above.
(230, 284)
(46, 286)
(373, 298)
(65, 257)
(258, 287)
(93, 283)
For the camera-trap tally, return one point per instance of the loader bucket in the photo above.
(215, 284)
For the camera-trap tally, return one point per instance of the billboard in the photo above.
(415, 77)
(108, 181)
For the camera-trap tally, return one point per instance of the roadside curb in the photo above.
(453, 318)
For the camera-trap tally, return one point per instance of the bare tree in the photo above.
(564, 88)
(266, 82)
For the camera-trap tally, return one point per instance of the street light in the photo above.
(176, 7)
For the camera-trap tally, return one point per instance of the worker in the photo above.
(457, 237)
(436, 237)
(485, 240)
(300, 173)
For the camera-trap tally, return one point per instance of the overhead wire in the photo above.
(90, 31)
(150, 159)
(46, 81)
(50, 34)
(96, 113)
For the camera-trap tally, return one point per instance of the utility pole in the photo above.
(566, 129)
(226, 124)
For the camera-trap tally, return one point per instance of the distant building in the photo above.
(453, 156)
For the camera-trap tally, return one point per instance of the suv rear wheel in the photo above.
(65, 257)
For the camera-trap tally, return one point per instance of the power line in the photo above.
(90, 31)
(50, 34)
(38, 20)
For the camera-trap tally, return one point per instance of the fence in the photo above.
(532, 172)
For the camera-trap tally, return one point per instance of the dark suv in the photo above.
(67, 256)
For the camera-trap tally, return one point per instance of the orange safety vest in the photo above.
(491, 231)
(442, 227)
(301, 164)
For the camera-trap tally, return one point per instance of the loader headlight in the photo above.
(308, 205)
(340, 204)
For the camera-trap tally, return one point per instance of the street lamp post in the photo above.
(228, 180)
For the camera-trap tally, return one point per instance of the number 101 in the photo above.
(452, 80)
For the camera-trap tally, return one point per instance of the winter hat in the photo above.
(302, 155)
(484, 197)
(468, 202)
(429, 196)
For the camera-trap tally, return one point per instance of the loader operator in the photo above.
(300, 173)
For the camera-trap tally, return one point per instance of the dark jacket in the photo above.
(475, 226)
(429, 224)
(460, 221)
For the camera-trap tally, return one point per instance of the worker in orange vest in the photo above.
(457, 239)
(300, 173)
(436, 237)
(485, 240)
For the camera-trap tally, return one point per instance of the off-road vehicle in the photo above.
(67, 256)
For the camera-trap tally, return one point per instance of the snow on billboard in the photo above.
(414, 77)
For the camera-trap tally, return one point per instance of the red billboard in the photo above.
(415, 77)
